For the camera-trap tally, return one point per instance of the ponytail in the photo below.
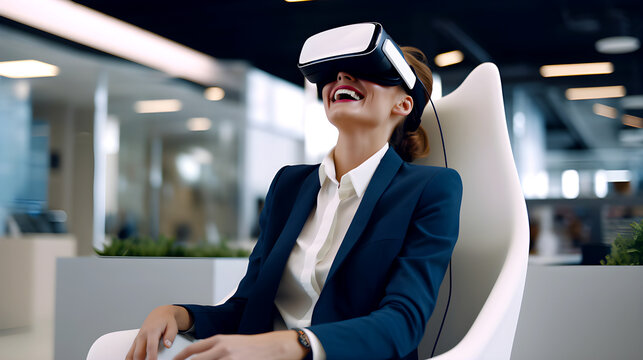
(411, 145)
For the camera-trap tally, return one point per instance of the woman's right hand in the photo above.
(162, 324)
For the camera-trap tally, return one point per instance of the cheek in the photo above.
(326, 92)
(377, 105)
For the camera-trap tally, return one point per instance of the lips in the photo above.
(346, 93)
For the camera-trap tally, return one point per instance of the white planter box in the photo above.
(581, 312)
(97, 295)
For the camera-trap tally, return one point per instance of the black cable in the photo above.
(445, 310)
(444, 150)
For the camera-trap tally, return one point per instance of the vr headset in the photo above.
(367, 52)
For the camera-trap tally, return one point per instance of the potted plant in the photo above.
(627, 249)
(168, 247)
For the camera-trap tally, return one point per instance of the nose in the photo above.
(344, 75)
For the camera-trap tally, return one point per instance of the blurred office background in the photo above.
(110, 131)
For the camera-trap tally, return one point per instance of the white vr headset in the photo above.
(366, 51)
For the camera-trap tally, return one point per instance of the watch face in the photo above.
(303, 339)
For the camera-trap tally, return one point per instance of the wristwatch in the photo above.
(303, 338)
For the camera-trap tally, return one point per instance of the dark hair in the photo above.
(411, 145)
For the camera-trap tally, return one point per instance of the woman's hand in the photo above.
(273, 345)
(163, 322)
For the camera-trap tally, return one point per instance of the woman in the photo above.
(352, 251)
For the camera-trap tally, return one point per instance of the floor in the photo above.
(35, 342)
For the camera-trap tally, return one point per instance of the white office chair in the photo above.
(489, 263)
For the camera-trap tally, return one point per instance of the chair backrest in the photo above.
(489, 263)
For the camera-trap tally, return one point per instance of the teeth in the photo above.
(348, 92)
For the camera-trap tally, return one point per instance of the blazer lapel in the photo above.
(257, 317)
(276, 261)
(383, 175)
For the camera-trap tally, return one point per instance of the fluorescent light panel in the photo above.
(449, 58)
(577, 69)
(157, 106)
(600, 92)
(27, 69)
(604, 110)
(199, 124)
(618, 45)
(633, 121)
(97, 30)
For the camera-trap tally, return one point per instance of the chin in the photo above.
(352, 122)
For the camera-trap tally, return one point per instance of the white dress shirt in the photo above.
(313, 253)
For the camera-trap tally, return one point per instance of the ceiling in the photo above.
(518, 36)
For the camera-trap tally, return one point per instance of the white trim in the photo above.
(396, 58)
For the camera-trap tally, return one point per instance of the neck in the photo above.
(354, 148)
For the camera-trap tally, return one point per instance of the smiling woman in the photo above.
(318, 219)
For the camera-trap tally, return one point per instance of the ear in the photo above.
(404, 106)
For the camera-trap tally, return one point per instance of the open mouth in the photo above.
(347, 93)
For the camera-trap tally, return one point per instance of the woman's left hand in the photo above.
(272, 345)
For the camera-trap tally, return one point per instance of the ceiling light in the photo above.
(633, 121)
(618, 45)
(449, 58)
(157, 106)
(577, 69)
(570, 184)
(601, 92)
(600, 183)
(27, 69)
(604, 110)
(618, 175)
(199, 124)
(634, 102)
(214, 93)
(94, 29)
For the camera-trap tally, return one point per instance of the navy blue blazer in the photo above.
(383, 283)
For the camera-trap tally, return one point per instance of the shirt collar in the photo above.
(359, 177)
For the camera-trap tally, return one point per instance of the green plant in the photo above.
(164, 246)
(627, 250)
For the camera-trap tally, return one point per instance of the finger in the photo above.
(170, 334)
(152, 346)
(139, 352)
(195, 348)
(130, 353)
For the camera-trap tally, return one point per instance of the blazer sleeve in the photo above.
(395, 329)
(225, 318)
